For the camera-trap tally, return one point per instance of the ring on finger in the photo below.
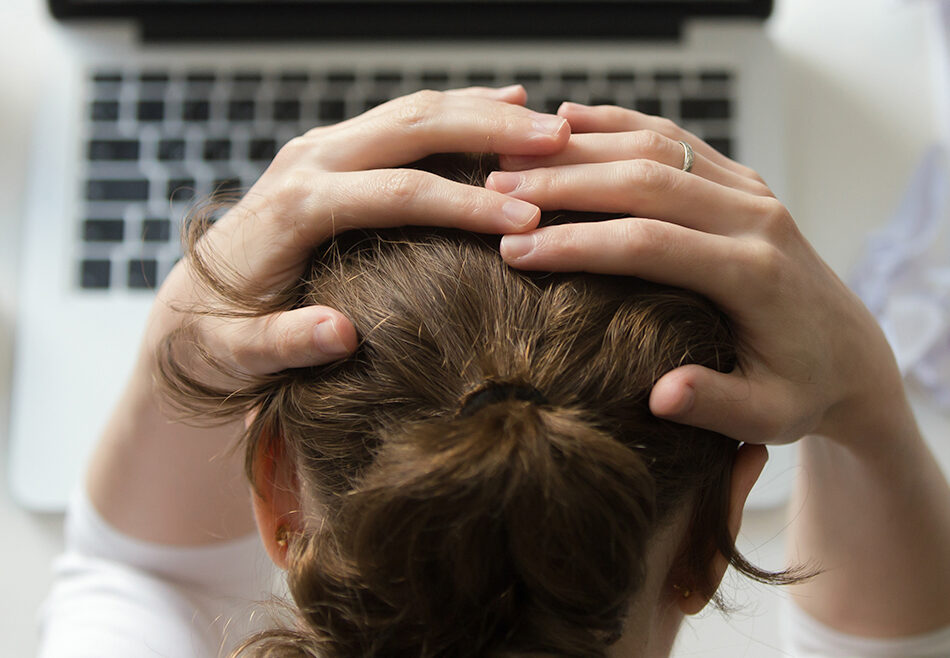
(688, 156)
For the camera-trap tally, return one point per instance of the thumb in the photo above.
(303, 337)
(726, 403)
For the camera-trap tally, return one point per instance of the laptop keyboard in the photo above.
(159, 141)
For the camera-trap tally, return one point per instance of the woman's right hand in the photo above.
(335, 178)
(812, 358)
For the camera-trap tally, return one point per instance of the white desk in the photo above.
(859, 115)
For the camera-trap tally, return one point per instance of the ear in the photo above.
(749, 461)
(276, 499)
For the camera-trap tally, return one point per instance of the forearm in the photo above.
(162, 481)
(872, 512)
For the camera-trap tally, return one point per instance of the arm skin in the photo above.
(163, 481)
(872, 508)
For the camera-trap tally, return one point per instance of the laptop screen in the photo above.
(327, 19)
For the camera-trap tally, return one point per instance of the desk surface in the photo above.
(859, 114)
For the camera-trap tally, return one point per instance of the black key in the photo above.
(705, 108)
(295, 77)
(619, 77)
(262, 150)
(527, 77)
(180, 190)
(226, 185)
(573, 77)
(648, 105)
(482, 78)
(551, 105)
(103, 230)
(434, 78)
(94, 274)
(153, 77)
(200, 77)
(248, 77)
(143, 273)
(104, 110)
(113, 149)
(335, 110)
(286, 110)
(667, 76)
(156, 230)
(117, 190)
(341, 77)
(241, 110)
(107, 77)
(195, 110)
(171, 150)
(217, 149)
(715, 76)
(721, 144)
(151, 111)
(387, 77)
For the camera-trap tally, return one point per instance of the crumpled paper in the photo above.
(904, 277)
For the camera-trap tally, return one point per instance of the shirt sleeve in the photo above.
(806, 637)
(114, 595)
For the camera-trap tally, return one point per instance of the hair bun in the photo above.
(494, 391)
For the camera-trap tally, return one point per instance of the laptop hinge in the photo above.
(450, 21)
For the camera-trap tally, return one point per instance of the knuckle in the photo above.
(650, 143)
(641, 237)
(776, 221)
(402, 186)
(293, 150)
(417, 108)
(291, 194)
(648, 175)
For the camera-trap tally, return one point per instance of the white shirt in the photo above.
(117, 597)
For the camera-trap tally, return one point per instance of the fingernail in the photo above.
(519, 213)
(328, 339)
(509, 88)
(504, 181)
(547, 125)
(516, 246)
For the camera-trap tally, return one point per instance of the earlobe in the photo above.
(748, 465)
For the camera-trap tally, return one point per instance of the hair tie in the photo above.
(493, 392)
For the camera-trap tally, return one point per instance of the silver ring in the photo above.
(688, 156)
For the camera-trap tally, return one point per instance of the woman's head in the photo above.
(484, 476)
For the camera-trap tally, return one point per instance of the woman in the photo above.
(826, 372)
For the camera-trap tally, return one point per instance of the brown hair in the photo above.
(507, 526)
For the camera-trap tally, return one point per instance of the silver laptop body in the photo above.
(96, 239)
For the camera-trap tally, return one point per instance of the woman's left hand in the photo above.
(812, 358)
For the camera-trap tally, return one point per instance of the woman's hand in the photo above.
(164, 481)
(340, 177)
(812, 358)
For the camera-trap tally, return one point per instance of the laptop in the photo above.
(157, 103)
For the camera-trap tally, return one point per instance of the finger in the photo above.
(727, 403)
(639, 144)
(611, 119)
(511, 94)
(643, 188)
(409, 128)
(650, 249)
(314, 208)
(299, 338)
